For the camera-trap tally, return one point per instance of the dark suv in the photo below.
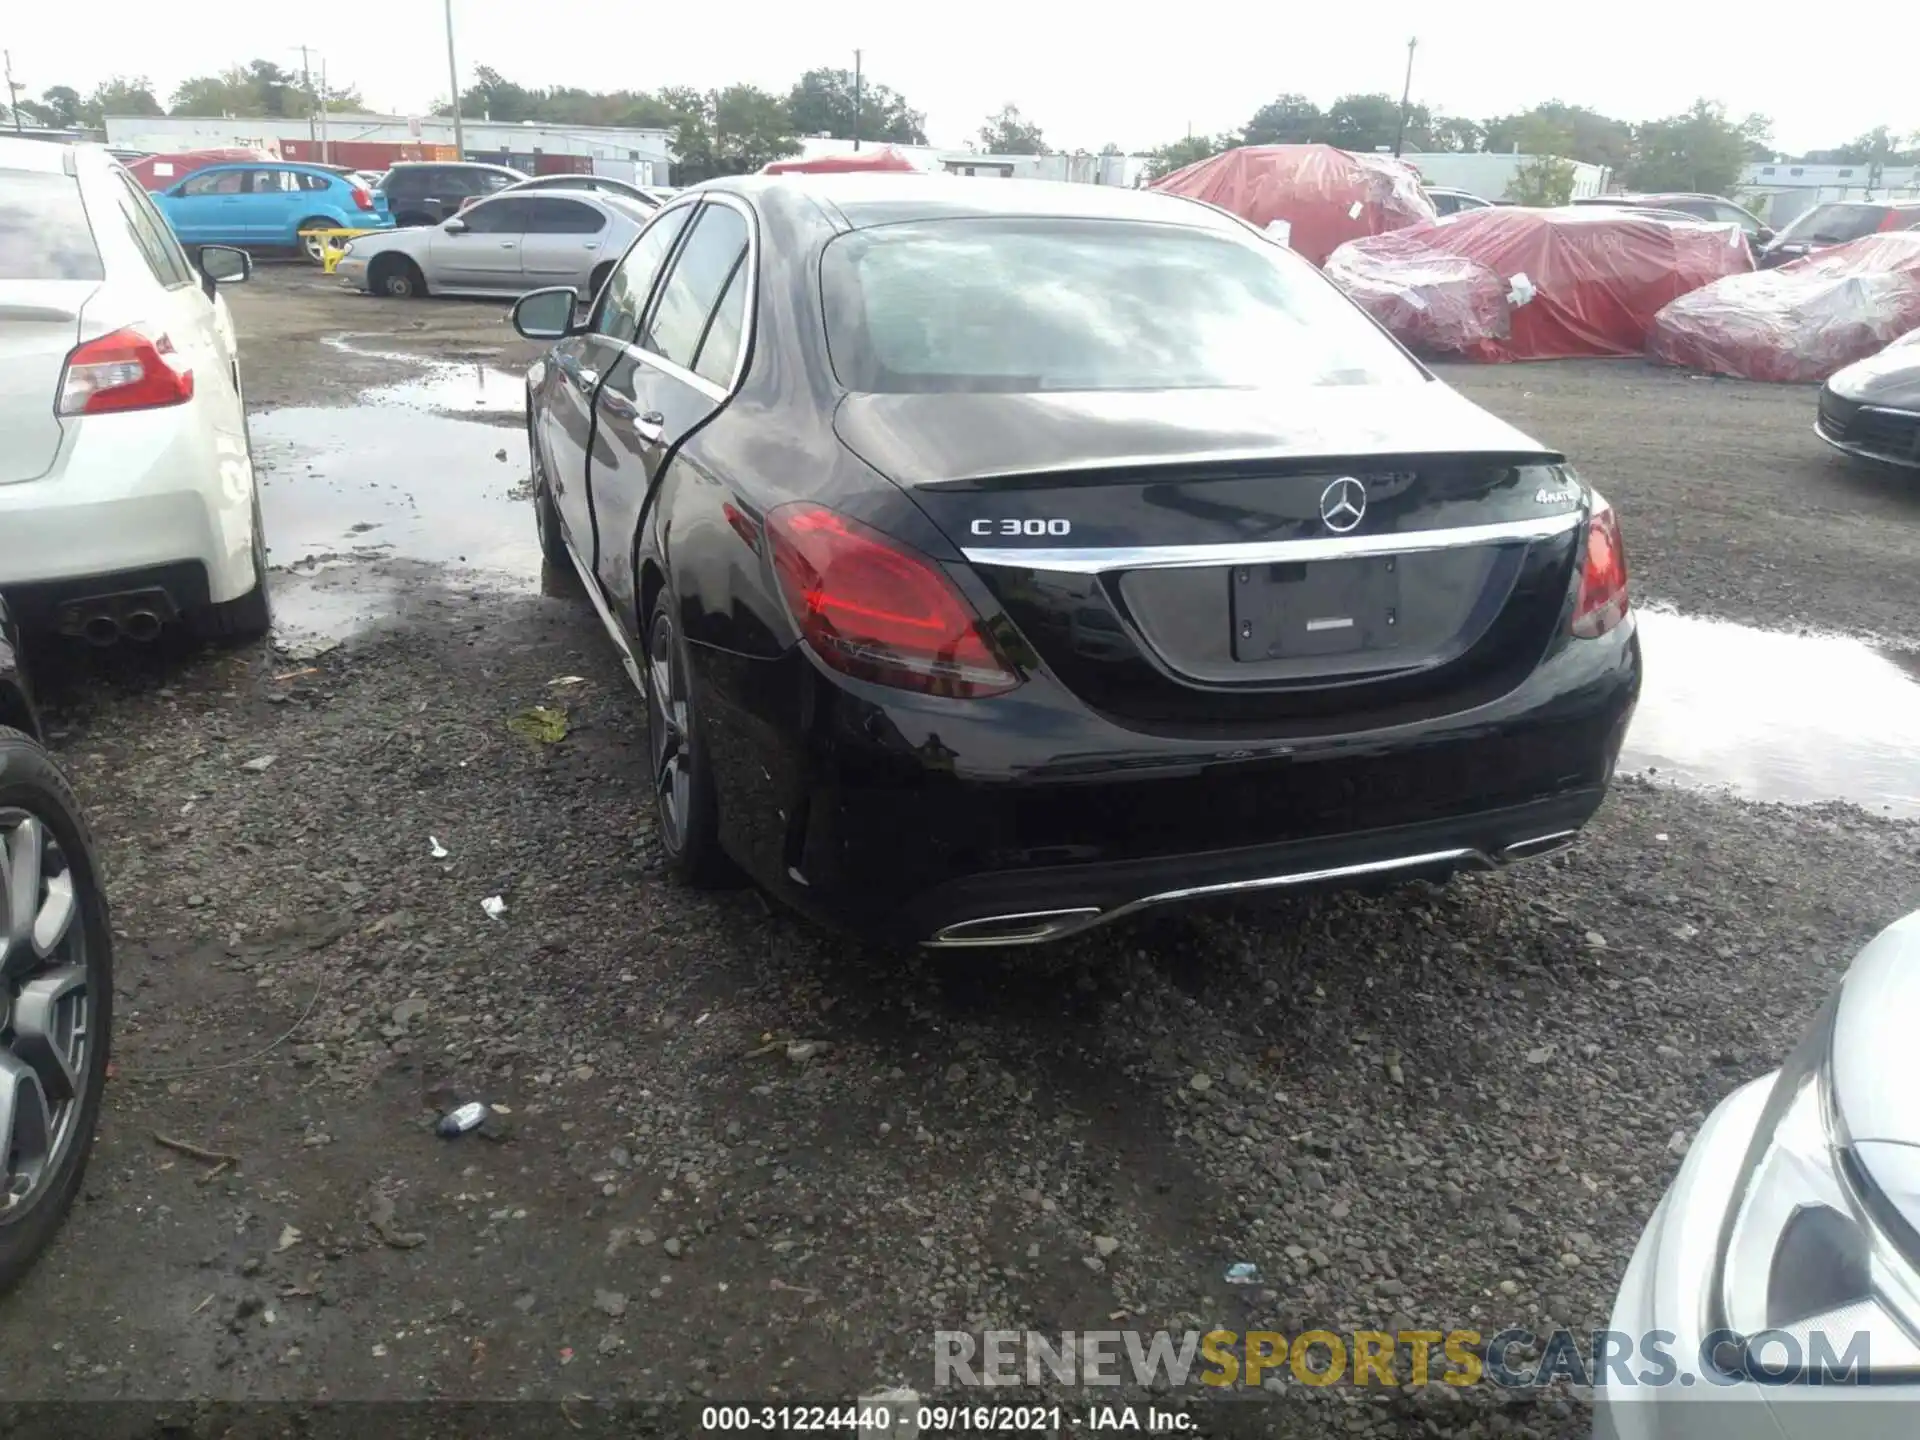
(1836, 223)
(425, 192)
(1701, 207)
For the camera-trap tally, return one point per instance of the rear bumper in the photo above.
(143, 493)
(924, 819)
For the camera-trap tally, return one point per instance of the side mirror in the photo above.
(546, 314)
(455, 226)
(224, 265)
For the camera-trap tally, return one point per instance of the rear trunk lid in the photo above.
(39, 326)
(1219, 555)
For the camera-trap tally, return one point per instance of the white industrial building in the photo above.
(1488, 175)
(1082, 167)
(1780, 191)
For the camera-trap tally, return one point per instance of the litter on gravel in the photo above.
(541, 723)
(1243, 1272)
(462, 1119)
(495, 907)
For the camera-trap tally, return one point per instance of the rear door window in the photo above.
(44, 234)
(699, 276)
(551, 215)
(216, 182)
(721, 347)
(507, 216)
(625, 297)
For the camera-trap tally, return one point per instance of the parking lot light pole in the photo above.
(453, 77)
(856, 99)
(1406, 94)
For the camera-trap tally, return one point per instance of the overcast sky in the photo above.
(1133, 74)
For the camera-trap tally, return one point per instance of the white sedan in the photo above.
(1780, 1276)
(127, 493)
(507, 244)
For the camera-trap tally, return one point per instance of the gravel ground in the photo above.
(736, 1157)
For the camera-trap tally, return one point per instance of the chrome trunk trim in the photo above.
(1095, 560)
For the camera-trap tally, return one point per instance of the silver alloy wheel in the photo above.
(668, 723)
(316, 249)
(45, 1011)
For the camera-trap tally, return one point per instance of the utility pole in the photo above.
(1406, 94)
(856, 99)
(326, 151)
(13, 90)
(453, 76)
(306, 79)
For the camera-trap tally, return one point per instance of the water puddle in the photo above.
(366, 508)
(1796, 718)
(466, 386)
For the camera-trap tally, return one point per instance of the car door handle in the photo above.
(592, 245)
(587, 377)
(650, 426)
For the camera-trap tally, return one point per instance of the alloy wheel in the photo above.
(668, 728)
(45, 1011)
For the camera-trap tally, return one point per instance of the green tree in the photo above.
(1580, 134)
(61, 105)
(1456, 134)
(822, 104)
(734, 131)
(1370, 122)
(120, 95)
(1011, 133)
(1700, 150)
(1285, 120)
(1541, 180)
(259, 87)
(1182, 153)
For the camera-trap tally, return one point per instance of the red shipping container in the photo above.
(163, 172)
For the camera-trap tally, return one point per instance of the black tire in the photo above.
(397, 277)
(249, 616)
(31, 783)
(313, 248)
(546, 515)
(688, 819)
(598, 280)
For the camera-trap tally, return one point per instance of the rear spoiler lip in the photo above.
(1226, 464)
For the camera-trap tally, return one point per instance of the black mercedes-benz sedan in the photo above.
(1000, 559)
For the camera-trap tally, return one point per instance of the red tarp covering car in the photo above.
(1801, 322)
(1323, 196)
(884, 160)
(162, 172)
(1508, 283)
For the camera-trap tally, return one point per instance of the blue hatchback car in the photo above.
(259, 203)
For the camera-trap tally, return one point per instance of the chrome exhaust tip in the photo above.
(1027, 928)
(1539, 845)
(141, 625)
(100, 630)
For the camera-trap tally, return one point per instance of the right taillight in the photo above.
(129, 369)
(877, 610)
(1602, 603)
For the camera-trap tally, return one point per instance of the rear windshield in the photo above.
(44, 233)
(1836, 224)
(1026, 304)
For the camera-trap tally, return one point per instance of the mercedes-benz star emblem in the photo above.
(1343, 504)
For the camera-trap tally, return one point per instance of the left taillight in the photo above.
(362, 199)
(130, 369)
(1602, 603)
(875, 609)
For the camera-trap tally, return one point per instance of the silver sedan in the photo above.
(506, 245)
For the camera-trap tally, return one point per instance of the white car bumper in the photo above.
(133, 494)
(351, 271)
(1665, 1294)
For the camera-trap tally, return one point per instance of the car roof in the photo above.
(450, 165)
(17, 154)
(863, 200)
